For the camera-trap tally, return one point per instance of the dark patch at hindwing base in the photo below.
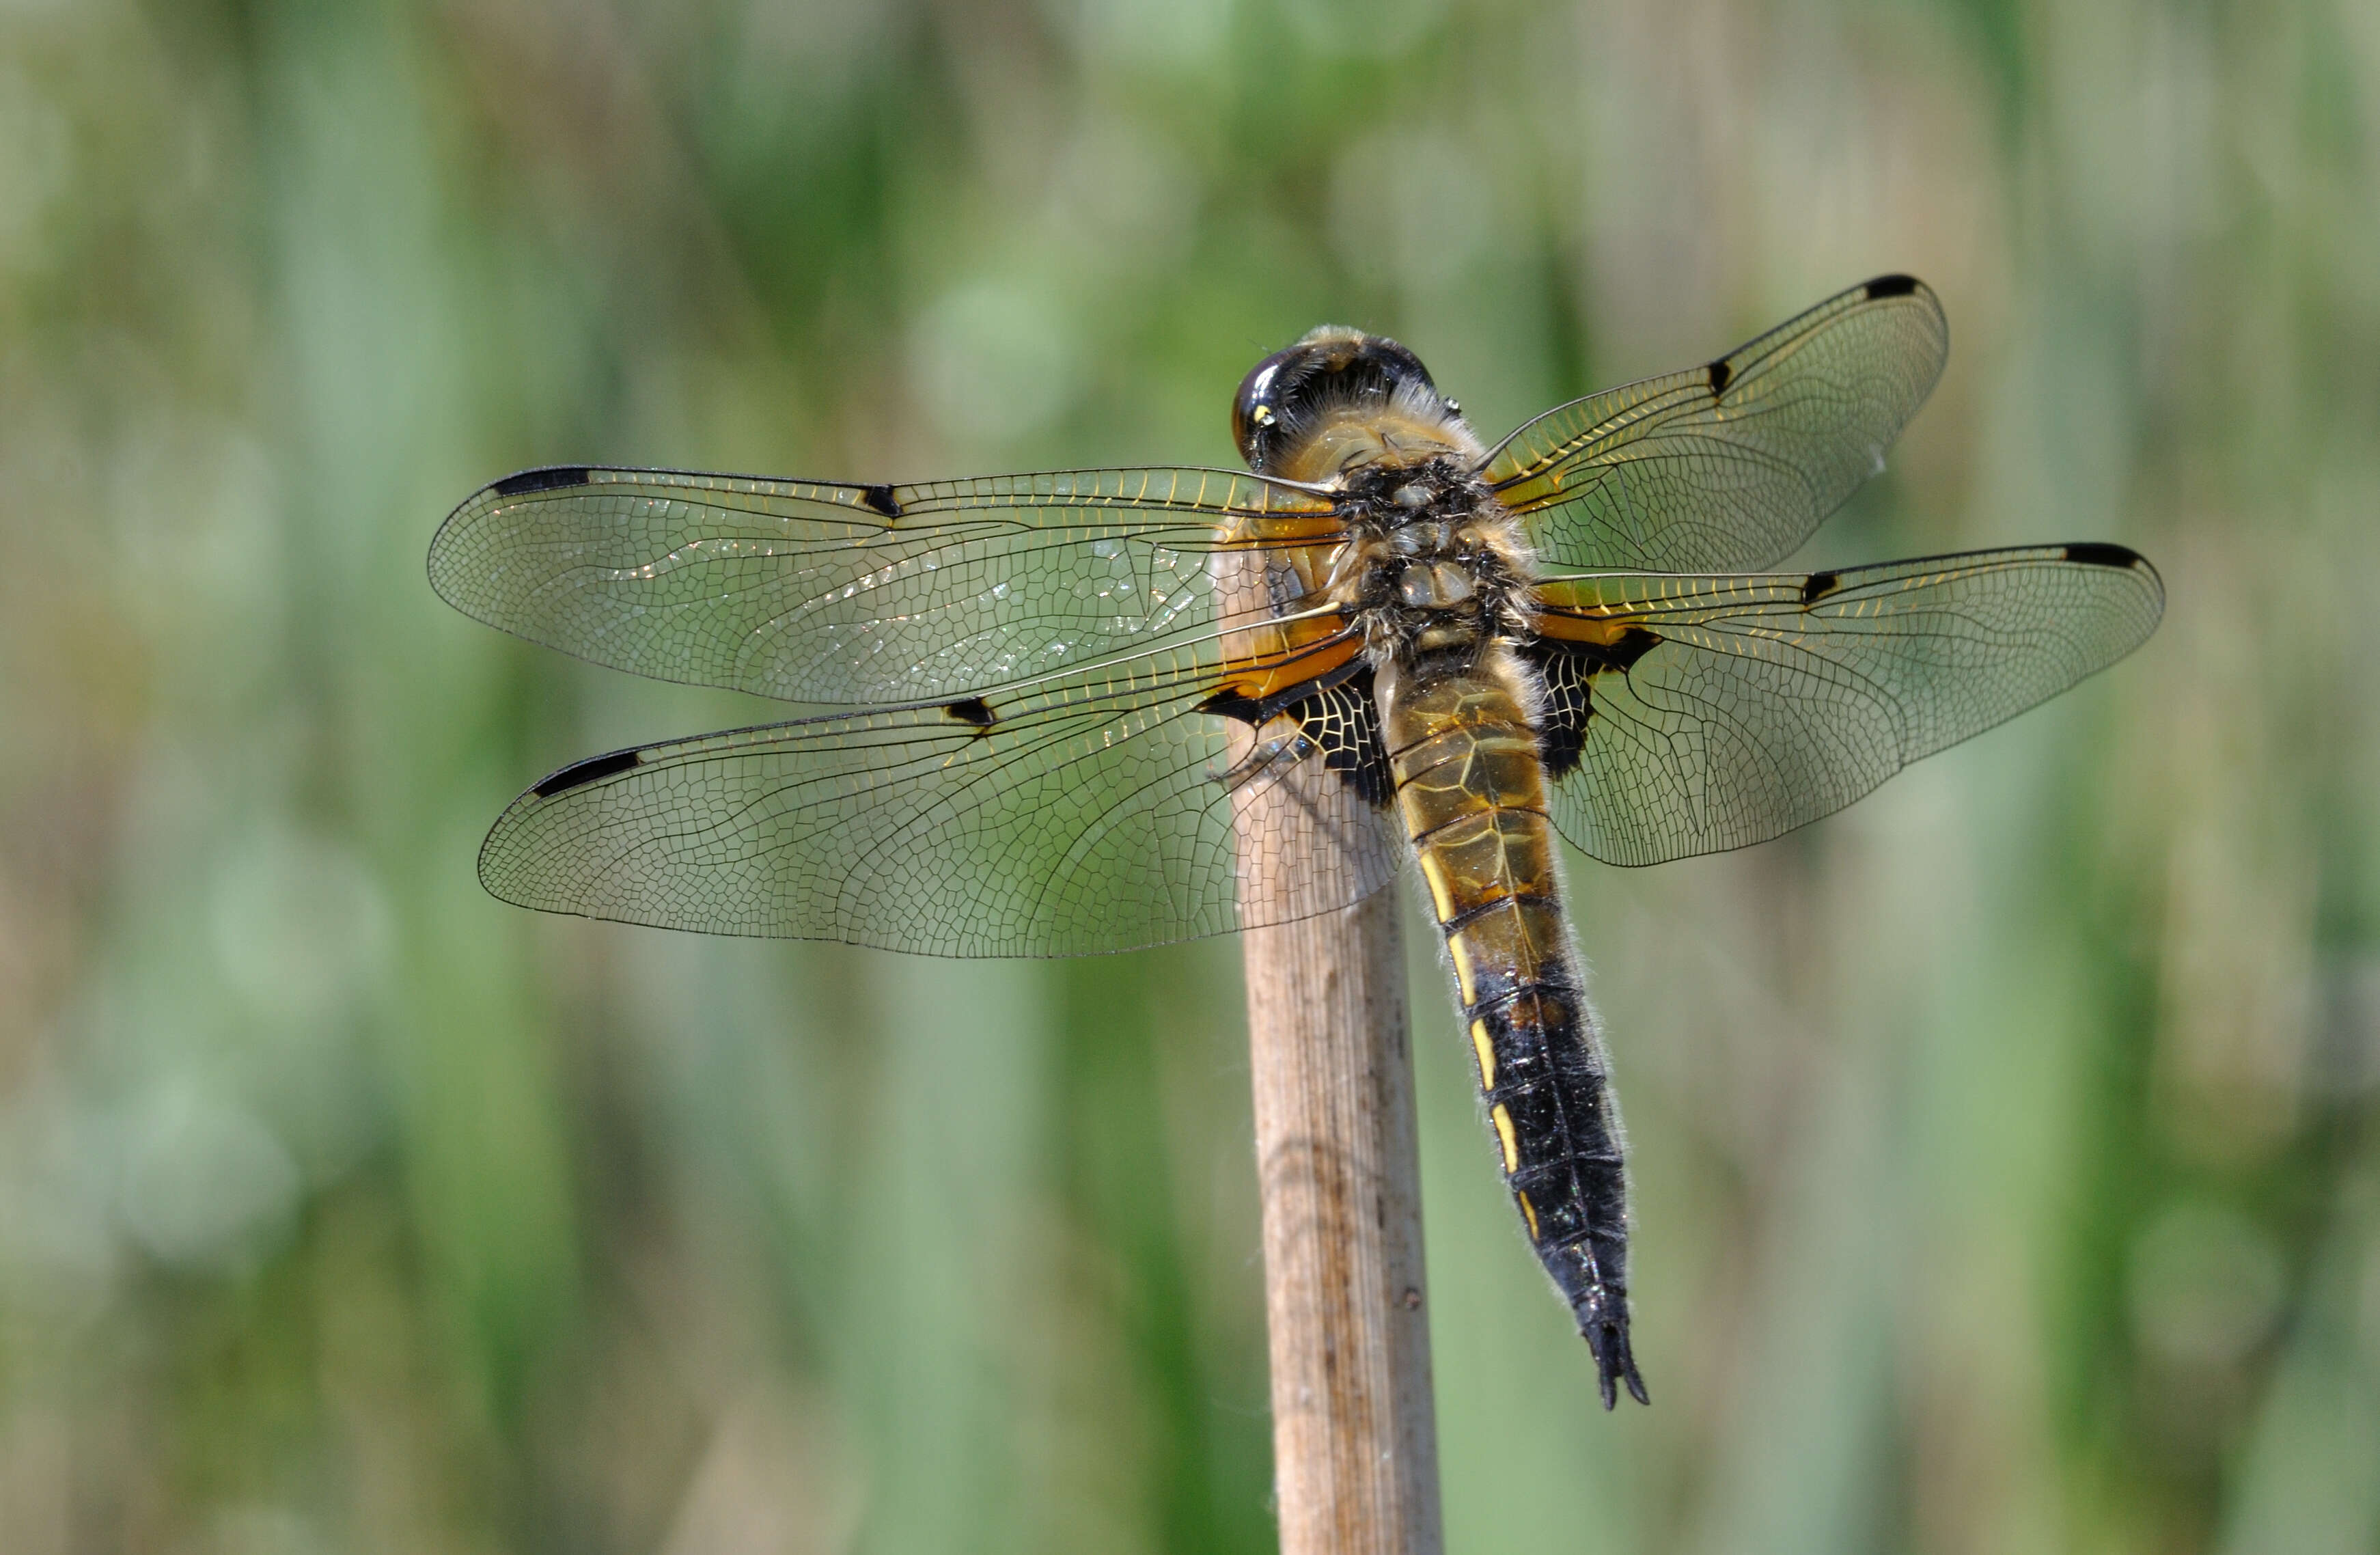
(1337, 715)
(1567, 672)
(1344, 723)
(1567, 705)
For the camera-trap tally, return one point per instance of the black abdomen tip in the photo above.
(579, 774)
(552, 477)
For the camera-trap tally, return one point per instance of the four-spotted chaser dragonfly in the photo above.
(1056, 689)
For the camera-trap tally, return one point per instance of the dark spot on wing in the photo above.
(1818, 585)
(1343, 721)
(552, 477)
(973, 710)
(1569, 706)
(1339, 717)
(1568, 671)
(880, 499)
(2098, 553)
(580, 773)
(1720, 373)
(1891, 285)
(1229, 702)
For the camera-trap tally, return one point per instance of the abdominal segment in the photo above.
(1470, 787)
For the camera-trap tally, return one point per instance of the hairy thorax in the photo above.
(1433, 564)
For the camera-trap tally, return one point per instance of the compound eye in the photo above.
(1256, 409)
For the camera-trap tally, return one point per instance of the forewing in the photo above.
(1091, 813)
(1688, 715)
(1732, 465)
(812, 591)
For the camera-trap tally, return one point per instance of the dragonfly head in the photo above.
(1341, 400)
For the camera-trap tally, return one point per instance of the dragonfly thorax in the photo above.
(1432, 562)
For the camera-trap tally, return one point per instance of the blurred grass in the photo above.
(2003, 1147)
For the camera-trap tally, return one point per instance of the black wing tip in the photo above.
(580, 773)
(1895, 285)
(545, 477)
(2102, 553)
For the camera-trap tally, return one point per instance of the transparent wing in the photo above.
(819, 592)
(1693, 715)
(1092, 812)
(1734, 463)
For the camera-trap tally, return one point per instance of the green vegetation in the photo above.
(2003, 1149)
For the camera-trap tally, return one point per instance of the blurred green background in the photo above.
(2003, 1150)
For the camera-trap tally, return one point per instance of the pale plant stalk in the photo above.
(1331, 1055)
(1354, 1438)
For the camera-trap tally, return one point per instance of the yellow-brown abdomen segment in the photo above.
(1471, 791)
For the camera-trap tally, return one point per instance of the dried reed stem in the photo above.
(1354, 1440)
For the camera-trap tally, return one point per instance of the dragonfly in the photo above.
(1091, 711)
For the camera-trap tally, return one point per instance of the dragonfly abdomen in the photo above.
(1471, 791)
